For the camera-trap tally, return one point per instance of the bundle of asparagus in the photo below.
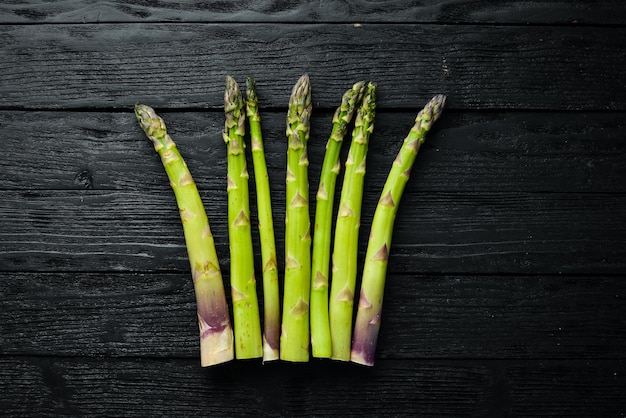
(309, 316)
(347, 230)
(320, 325)
(242, 278)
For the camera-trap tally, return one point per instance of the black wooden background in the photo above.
(506, 289)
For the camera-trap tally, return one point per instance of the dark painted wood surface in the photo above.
(507, 275)
(599, 12)
(486, 66)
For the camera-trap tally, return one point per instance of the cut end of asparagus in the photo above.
(359, 358)
(216, 347)
(270, 353)
(366, 330)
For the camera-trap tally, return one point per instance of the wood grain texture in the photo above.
(414, 11)
(434, 232)
(183, 65)
(466, 152)
(424, 317)
(178, 387)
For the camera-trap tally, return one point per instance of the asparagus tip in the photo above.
(143, 112)
(233, 109)
(152, 124)
(232, 96)
(436, 105)
(251, 97)
(429, 114)
(301, 91)
(250, 83)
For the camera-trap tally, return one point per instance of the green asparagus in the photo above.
(377, 255)
(294, 339)
(216, 335)
(271, 298)
(320, 328)
(248, 341)
(345, 248)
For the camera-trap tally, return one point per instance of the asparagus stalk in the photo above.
(271, 298)
(345, 248)
(294, 339)
(216, 335)
(248, 343)
(375, 269)
(320, 327)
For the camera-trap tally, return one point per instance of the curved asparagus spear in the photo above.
(216, 335)
(271, 299)
(373, 283)
(345, 248)
(320, 328)
(294, 338)
(248, 342)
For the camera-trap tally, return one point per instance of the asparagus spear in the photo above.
(320, 328)
(345, 249)
(248, 343)
(294, 339)
(216, 335)
(375, 269)
(271, 299)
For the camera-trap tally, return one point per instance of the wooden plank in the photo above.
(183, 65)
(181, 388)
(443, 11)
(503, 317)
(178, 387)
(466, 152)
(425, 317)
(434, 232)
(530, 382)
